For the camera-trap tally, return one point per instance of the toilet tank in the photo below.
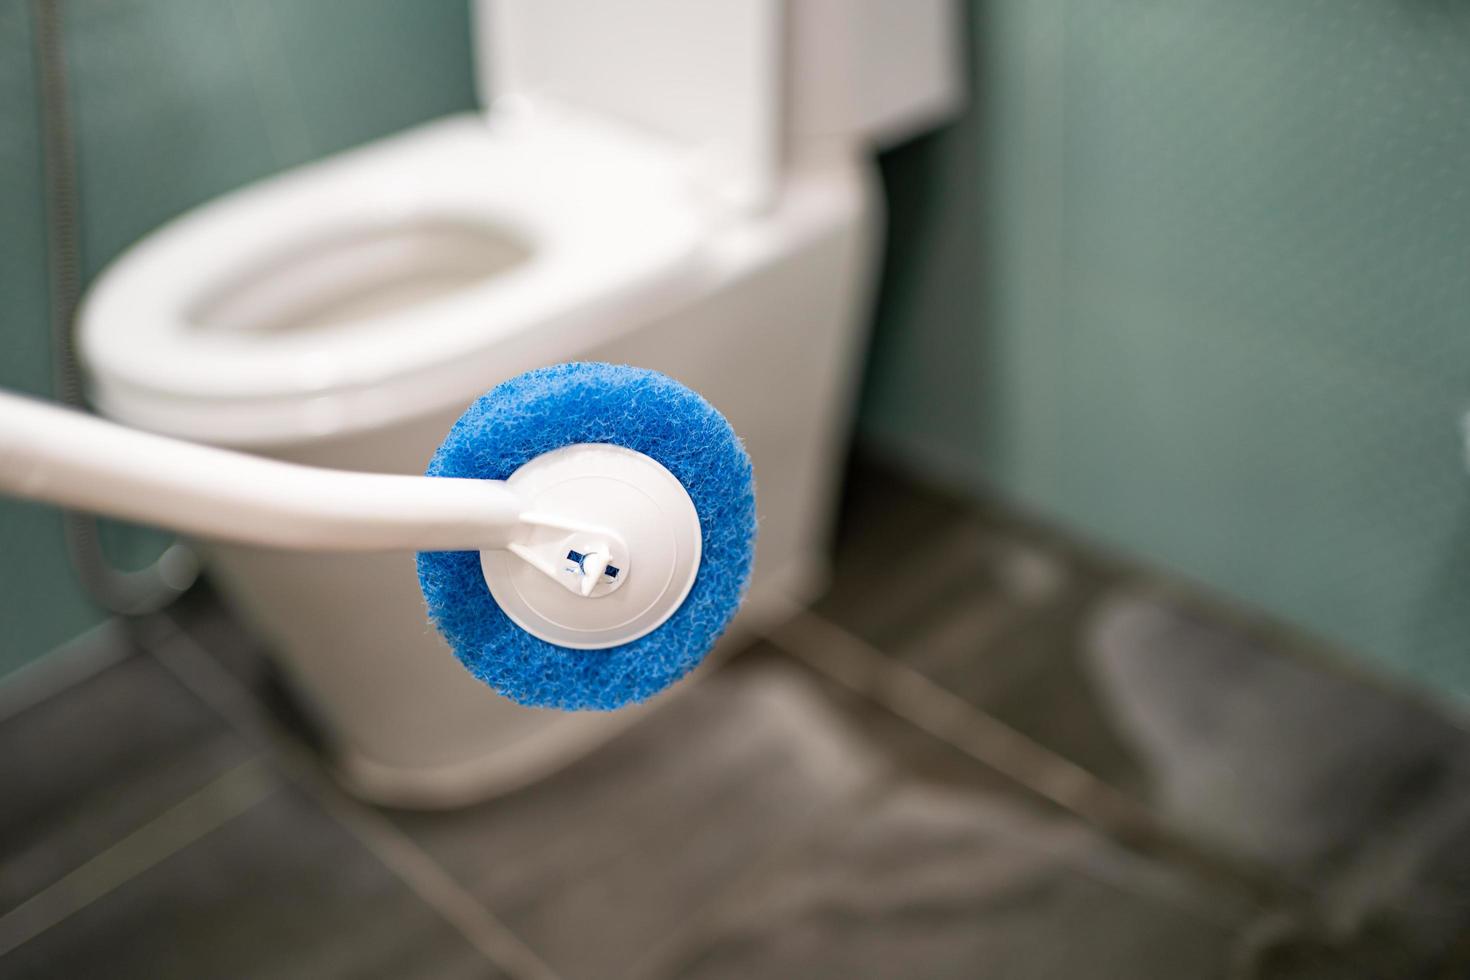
(875, 71)
(730, 80)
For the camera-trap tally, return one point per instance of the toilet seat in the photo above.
(579, 225)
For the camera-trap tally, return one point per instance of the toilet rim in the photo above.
(612, 254)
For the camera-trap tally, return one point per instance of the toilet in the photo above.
(685, 185)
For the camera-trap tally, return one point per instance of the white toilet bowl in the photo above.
(385, 282)
(346, 312)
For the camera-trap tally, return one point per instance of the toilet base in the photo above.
(505, 768)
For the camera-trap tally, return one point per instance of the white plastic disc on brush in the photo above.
(616, 561)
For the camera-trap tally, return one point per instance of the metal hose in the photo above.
(122, 592)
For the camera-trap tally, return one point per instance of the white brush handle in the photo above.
(74, 460)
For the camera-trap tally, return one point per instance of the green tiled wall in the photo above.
(174, 102)
(1194, 277)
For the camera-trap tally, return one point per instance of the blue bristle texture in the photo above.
(558, 406)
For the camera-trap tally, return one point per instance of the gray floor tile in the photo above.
(1050, 696)
(905, 749)
(939, 883)
(204, 615)
(1264, 752)
(884, 513)
(993, 612)
(1399, 908)
(279, 891)
(89, 766)
(1261, 752)
(1360, 795)
(246, 657)
(598, 866)
(767, 822)
(962, 566)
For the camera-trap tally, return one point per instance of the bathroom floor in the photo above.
(988, 752)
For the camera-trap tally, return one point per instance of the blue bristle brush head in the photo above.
(553, 407)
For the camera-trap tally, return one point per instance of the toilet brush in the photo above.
(585, 532)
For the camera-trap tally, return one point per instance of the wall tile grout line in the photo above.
(854, 663)
(203, 811)
(183, 657)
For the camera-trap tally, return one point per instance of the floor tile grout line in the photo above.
(205, 810)
(434, 885)
(854, 663)
(64, 666)
(424, 876)
(911, 695)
